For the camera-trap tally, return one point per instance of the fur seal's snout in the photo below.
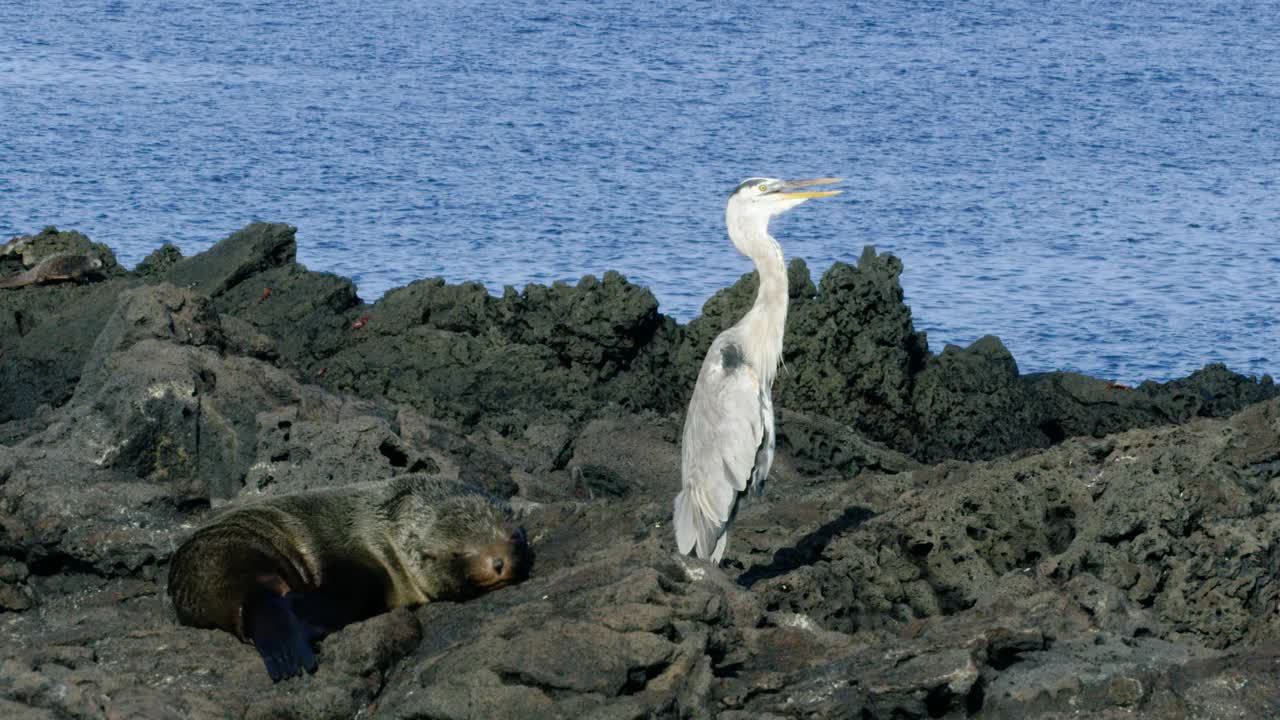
(500, 563)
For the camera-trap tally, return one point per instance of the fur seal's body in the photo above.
(62, 266)
(288, 569)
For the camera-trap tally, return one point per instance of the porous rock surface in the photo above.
(942, 536)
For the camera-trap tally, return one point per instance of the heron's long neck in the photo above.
(767, 318)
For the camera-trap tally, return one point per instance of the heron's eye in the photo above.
(764, 188)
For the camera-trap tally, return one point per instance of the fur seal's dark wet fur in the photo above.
(286, 570)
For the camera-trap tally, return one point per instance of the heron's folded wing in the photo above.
(722, 433)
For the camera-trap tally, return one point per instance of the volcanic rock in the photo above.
(941, 537)
(46, 331)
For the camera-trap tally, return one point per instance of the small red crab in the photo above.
(266, 293)
(1117, 386)
(360, 323)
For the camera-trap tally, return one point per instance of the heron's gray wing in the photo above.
(722, 434)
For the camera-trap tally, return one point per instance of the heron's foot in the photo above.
(522, 507)
(695, 568)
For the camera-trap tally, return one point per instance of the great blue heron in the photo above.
(728, 432)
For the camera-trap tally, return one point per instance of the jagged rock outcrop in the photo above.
(46, 331)
(942, 536)
(852, 354)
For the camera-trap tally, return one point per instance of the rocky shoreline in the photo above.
(943, 536)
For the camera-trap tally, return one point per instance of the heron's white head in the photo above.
(756, 200)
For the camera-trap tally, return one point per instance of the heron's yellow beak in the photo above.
(787, 188)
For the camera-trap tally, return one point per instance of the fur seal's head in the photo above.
(460, 541)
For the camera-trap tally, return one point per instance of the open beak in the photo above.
(788, 188)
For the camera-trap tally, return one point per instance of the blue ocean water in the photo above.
(1094, 182)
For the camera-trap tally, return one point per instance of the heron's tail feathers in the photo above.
(721, 542)
(695, 529)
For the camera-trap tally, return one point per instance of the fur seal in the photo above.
(62, 266)
(286, 570)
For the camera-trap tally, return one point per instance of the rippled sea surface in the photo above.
(1095, 182)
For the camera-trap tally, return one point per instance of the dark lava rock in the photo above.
(629, 633)
(1071, 405)
(252, 275)
(1213, 391)
(1155, 513)
(615, 457)
(15, 594)
(452, 351)
(159, 262)
(326, 441)
(163, 401)
(563, 354)
(455, 352)
(308, 314)
(46, 331)
(252, 250)
(968, 403)
(851, 352)
(1112, 554)
(99, 656)
(815, 445)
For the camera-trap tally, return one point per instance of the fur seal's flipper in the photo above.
(279, 635)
